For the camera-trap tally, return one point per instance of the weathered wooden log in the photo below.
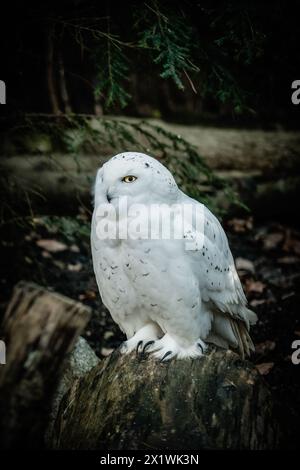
(129, 402)
(47, 185)
(222, 148)
(39, 329)
(248, 158)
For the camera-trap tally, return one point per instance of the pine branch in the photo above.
(169, 39)
(112, 73)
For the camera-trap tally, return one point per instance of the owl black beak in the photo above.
(108, 197)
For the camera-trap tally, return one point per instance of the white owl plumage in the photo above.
(169, 301)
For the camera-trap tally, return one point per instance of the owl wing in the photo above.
(220, 286)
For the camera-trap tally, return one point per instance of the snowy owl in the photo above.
(168, 299)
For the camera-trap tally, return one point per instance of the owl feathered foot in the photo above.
(167, 348)
(141, 340)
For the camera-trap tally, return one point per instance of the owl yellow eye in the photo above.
(129, 179)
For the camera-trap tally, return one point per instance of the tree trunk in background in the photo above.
(62, 84)
(51, 74)
(39, 329)
(127, 402)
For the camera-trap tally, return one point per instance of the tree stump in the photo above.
(39, 329)
(128, 402)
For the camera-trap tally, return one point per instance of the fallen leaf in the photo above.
(74, 248)
(28, 238)
(243, 264)
(75, 267)
(250, 381)
(241, 225)
(59, 264)
(89, 294)
(288, 260)
(265, 367)
(256, 302)
(254, 286)
(291, 245)
(264, 347)
(51, 245)
(272, 240)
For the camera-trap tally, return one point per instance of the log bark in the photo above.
(258, 164)
(222, 148)
(39, 329)
(130, 402)
(56, 185)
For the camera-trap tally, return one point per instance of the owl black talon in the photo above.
(165, 356)
(199, 345)
(149, 343)
(140, 343)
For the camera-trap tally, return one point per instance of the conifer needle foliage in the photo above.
(112, 74)
(170, 40)
(204, 46)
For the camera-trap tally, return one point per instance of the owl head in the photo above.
(139, 177)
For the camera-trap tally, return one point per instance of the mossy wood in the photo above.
(262, 167)
(130, 402)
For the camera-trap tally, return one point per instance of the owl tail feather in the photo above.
(228, 332)
(244, 341)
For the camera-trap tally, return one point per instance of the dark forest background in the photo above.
(189, 61)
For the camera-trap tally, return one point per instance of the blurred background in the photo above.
(203, 86)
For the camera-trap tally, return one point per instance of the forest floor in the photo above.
(267, 255)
